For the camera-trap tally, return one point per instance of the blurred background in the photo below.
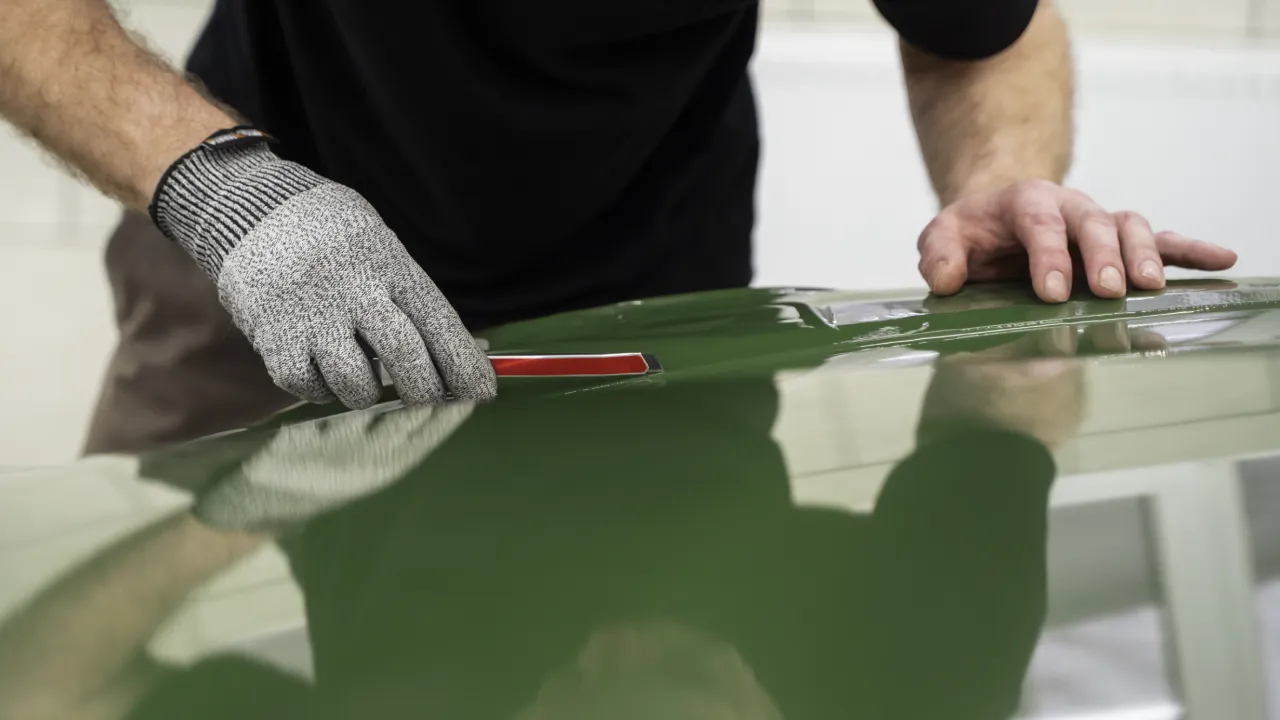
(1178, 117)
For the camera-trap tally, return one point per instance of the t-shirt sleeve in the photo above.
(959, 29)
(227, 687)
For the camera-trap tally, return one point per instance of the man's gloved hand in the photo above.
(303, 265)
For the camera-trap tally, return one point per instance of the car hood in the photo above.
(827, 504)
(1186, 373)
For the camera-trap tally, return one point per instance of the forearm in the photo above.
(73, 79)
(985, 124)
(73, 642)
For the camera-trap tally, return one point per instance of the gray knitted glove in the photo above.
(304, 265)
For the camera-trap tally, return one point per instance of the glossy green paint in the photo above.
(750, 332)
(829, 505)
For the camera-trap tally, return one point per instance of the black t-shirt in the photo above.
(538, 156)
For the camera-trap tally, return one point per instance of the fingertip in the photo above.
(419, 399)
(1146, 284)
(1211, 255)
(310, 395)
(1195, 254)
(362, 400)
(1149, 275)
(347, 373)
(479, 387)
(1226, 260)
(365, 395)
(1109, 283)
(946, 277)
(299, 376)
(1212, 259)
(421, 385)
(1054, 287)
(484, 396)
(467, 371)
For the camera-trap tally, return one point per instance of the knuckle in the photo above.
(1030, 188)
(923, 240)
(936, 228)
(1077, 195)
(1129, 218)
(1097, 218)
(1042, 221)
(412, 280)
(418, 382)
(402, 348)
(1055, 261)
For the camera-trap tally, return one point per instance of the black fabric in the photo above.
(537, 157)
(959, 29)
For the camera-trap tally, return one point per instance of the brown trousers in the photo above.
(181, 369)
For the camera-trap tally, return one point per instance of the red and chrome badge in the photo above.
(602, 365)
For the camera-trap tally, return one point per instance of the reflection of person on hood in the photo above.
(637, 555)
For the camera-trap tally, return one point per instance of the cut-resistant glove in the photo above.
(304, 266)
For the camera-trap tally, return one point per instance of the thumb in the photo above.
(943, 262)
(944, 268)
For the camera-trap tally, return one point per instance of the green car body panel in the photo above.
(827, 504)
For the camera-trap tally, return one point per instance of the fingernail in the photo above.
(1151, 271)
(1110, 279)
(1055, 286)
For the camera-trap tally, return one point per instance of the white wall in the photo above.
(1186, 135)
(1189, 135)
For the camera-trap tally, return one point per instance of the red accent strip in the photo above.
(569, 365)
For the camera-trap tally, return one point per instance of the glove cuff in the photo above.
(211, 197)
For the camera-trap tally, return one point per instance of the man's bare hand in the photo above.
(1058, 236)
